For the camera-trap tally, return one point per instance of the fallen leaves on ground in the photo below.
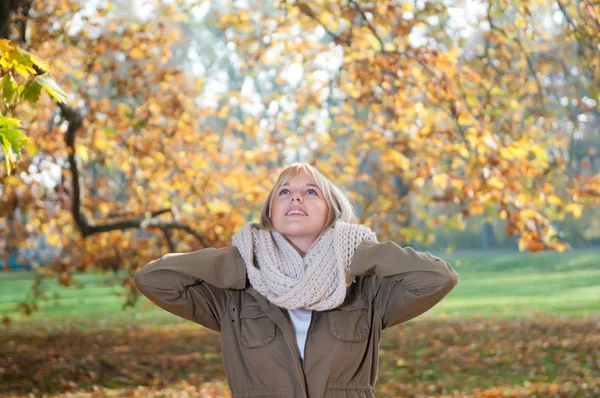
(534, 357)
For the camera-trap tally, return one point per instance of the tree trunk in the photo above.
(6, 9)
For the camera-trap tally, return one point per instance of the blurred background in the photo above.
(131, 129)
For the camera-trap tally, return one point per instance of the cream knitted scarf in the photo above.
(317, 281)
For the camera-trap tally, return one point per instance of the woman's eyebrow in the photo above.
(308, 184)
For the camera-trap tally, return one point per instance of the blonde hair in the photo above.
(340, 206)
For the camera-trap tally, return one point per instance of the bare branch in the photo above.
(530, 66)
(367, 23)
(306, 10)
(88, 227)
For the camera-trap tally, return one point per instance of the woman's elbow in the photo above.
(449, 280)
(143, 276)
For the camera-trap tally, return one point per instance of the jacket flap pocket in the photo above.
(252, 311)
(353, 304)
(350, 321)
(257, 329)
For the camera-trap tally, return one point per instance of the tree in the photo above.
(422, 126)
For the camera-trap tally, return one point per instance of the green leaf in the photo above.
(9, 121)
(8, 85)
(8, 154)
(11, 139)
(31, 91)
(472, 100)
(13, 135)
(52, 88)
(109, 132)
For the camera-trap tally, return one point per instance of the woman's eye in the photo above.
(309, 190)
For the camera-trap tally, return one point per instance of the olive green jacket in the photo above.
(260, 354)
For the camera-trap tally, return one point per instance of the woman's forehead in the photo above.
(307, 182)
(300, 175)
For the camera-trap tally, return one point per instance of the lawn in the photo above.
(493, 285)
(516, 326)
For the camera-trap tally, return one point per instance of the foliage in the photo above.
(459, 123)
(14, 63)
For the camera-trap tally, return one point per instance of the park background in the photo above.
(469, 129)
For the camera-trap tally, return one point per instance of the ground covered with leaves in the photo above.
(537, 356)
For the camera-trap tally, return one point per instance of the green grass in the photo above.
(491, 285)
(516, 285)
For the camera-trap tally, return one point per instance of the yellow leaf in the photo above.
(389, 47)
(100, 142)
(476, 209)
(104, 208)
(395, 158)
(136, 53)
(522, 199)
(561, 247)
(440, 181)
(83, 153)
(401, 161)
(11, 180)
(187, 208)
(218, 207)
(494, 182)
(554, 200)
(457, 163)
(53, 239)
(407, 7)
(540, 153)
(574, 208)
(522, 244)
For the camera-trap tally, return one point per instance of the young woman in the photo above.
(301, 298)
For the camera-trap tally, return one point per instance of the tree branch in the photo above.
(530, 67)
(88, 227)
(306, 10)
(367, 23)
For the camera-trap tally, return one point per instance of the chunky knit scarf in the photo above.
(317, 281)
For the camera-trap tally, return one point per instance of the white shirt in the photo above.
(301, 320)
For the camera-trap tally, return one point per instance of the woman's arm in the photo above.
(409, 282)
(196, 285)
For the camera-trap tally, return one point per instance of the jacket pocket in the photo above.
(257, 328)
(350, 322)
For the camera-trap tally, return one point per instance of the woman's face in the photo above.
(303, 194)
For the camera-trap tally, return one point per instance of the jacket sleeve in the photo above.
(407, 282)
(196, 285)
